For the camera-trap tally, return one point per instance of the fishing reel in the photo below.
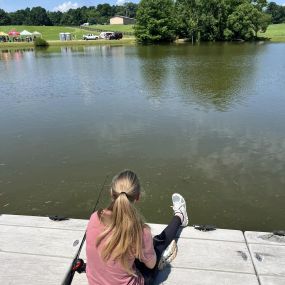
(79, 266)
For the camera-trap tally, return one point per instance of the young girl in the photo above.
(120, 249)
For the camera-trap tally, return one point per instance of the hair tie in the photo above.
(123, 193)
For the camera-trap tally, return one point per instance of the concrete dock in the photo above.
(37, 250)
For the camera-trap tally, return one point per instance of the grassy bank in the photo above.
(127, 41)
(48, 33)
(16, 45)
(51, 33)
(276, 33)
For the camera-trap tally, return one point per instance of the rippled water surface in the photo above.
(207, 121)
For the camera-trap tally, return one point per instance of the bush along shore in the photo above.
(203, 20)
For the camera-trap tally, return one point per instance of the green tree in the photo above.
(106, 11)
(245, 22)
(66, 19)
(128, 9)
(38, 17)
(18, 17)
(155, 21)
(4, 18)
(55, 17)
(187, 19)
(259, 4)
(212, 19)
(277, 12)
(74, 17)
(93, 16)
(27, 20)
(131, 9)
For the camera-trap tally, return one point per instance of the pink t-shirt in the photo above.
(112, 273)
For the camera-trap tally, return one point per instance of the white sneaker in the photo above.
(168, 255)
(179, 207)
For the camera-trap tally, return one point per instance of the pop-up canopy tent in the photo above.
(3, 37)
(26, 34)
(13, 33)
(37, 34)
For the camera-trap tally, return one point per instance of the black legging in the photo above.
(160, 243)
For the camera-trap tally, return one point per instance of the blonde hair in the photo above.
(126, 226)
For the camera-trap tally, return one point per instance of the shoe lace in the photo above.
(177, 207)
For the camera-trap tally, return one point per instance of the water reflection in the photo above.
(212, 76)
(219, 77)
(96, 50)
(154, 68)
(71, 49)
(14, 54)
(68, 116)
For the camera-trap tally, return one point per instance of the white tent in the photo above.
(26, 33)
(36, 34)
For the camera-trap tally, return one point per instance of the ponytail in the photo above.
(126, 225)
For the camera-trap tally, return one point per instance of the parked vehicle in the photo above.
(106, 35)
(116, 36)
(90, 37)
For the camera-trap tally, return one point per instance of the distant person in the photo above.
(120, 249)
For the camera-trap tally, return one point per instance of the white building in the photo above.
(122, 20)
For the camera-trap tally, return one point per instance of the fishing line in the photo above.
(77, 263)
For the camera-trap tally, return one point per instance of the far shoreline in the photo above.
(125, 41)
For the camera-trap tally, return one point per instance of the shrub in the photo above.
(39, 42)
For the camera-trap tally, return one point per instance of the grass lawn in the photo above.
(19, 45)
(114, 28)
(275, 32)
(49, 33)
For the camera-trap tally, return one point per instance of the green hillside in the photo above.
(48, 32)
(114, 28)
(275, 32)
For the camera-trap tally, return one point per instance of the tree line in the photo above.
(203, 20)
(277, 13)
(101, 13)
(166, 20)
(38, 16)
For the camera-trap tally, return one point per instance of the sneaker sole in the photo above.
(168, 255)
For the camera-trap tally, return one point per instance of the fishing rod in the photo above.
(78, 263)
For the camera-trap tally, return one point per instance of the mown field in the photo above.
(48, 33)
(275, 32)
(114, 28)
(51, 33)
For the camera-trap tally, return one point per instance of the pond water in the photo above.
(206, 121)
